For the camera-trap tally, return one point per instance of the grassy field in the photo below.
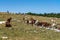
(22, 31)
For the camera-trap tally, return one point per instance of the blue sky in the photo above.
(35, 6)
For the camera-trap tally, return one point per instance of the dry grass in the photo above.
(22, 31)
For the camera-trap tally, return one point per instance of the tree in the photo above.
(7, 11)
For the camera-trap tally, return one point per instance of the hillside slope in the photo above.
(22, 31)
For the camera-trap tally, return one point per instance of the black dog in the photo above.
(8, 23)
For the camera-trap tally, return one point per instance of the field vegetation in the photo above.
(22, 31)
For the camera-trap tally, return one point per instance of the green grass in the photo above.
(22, 31)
